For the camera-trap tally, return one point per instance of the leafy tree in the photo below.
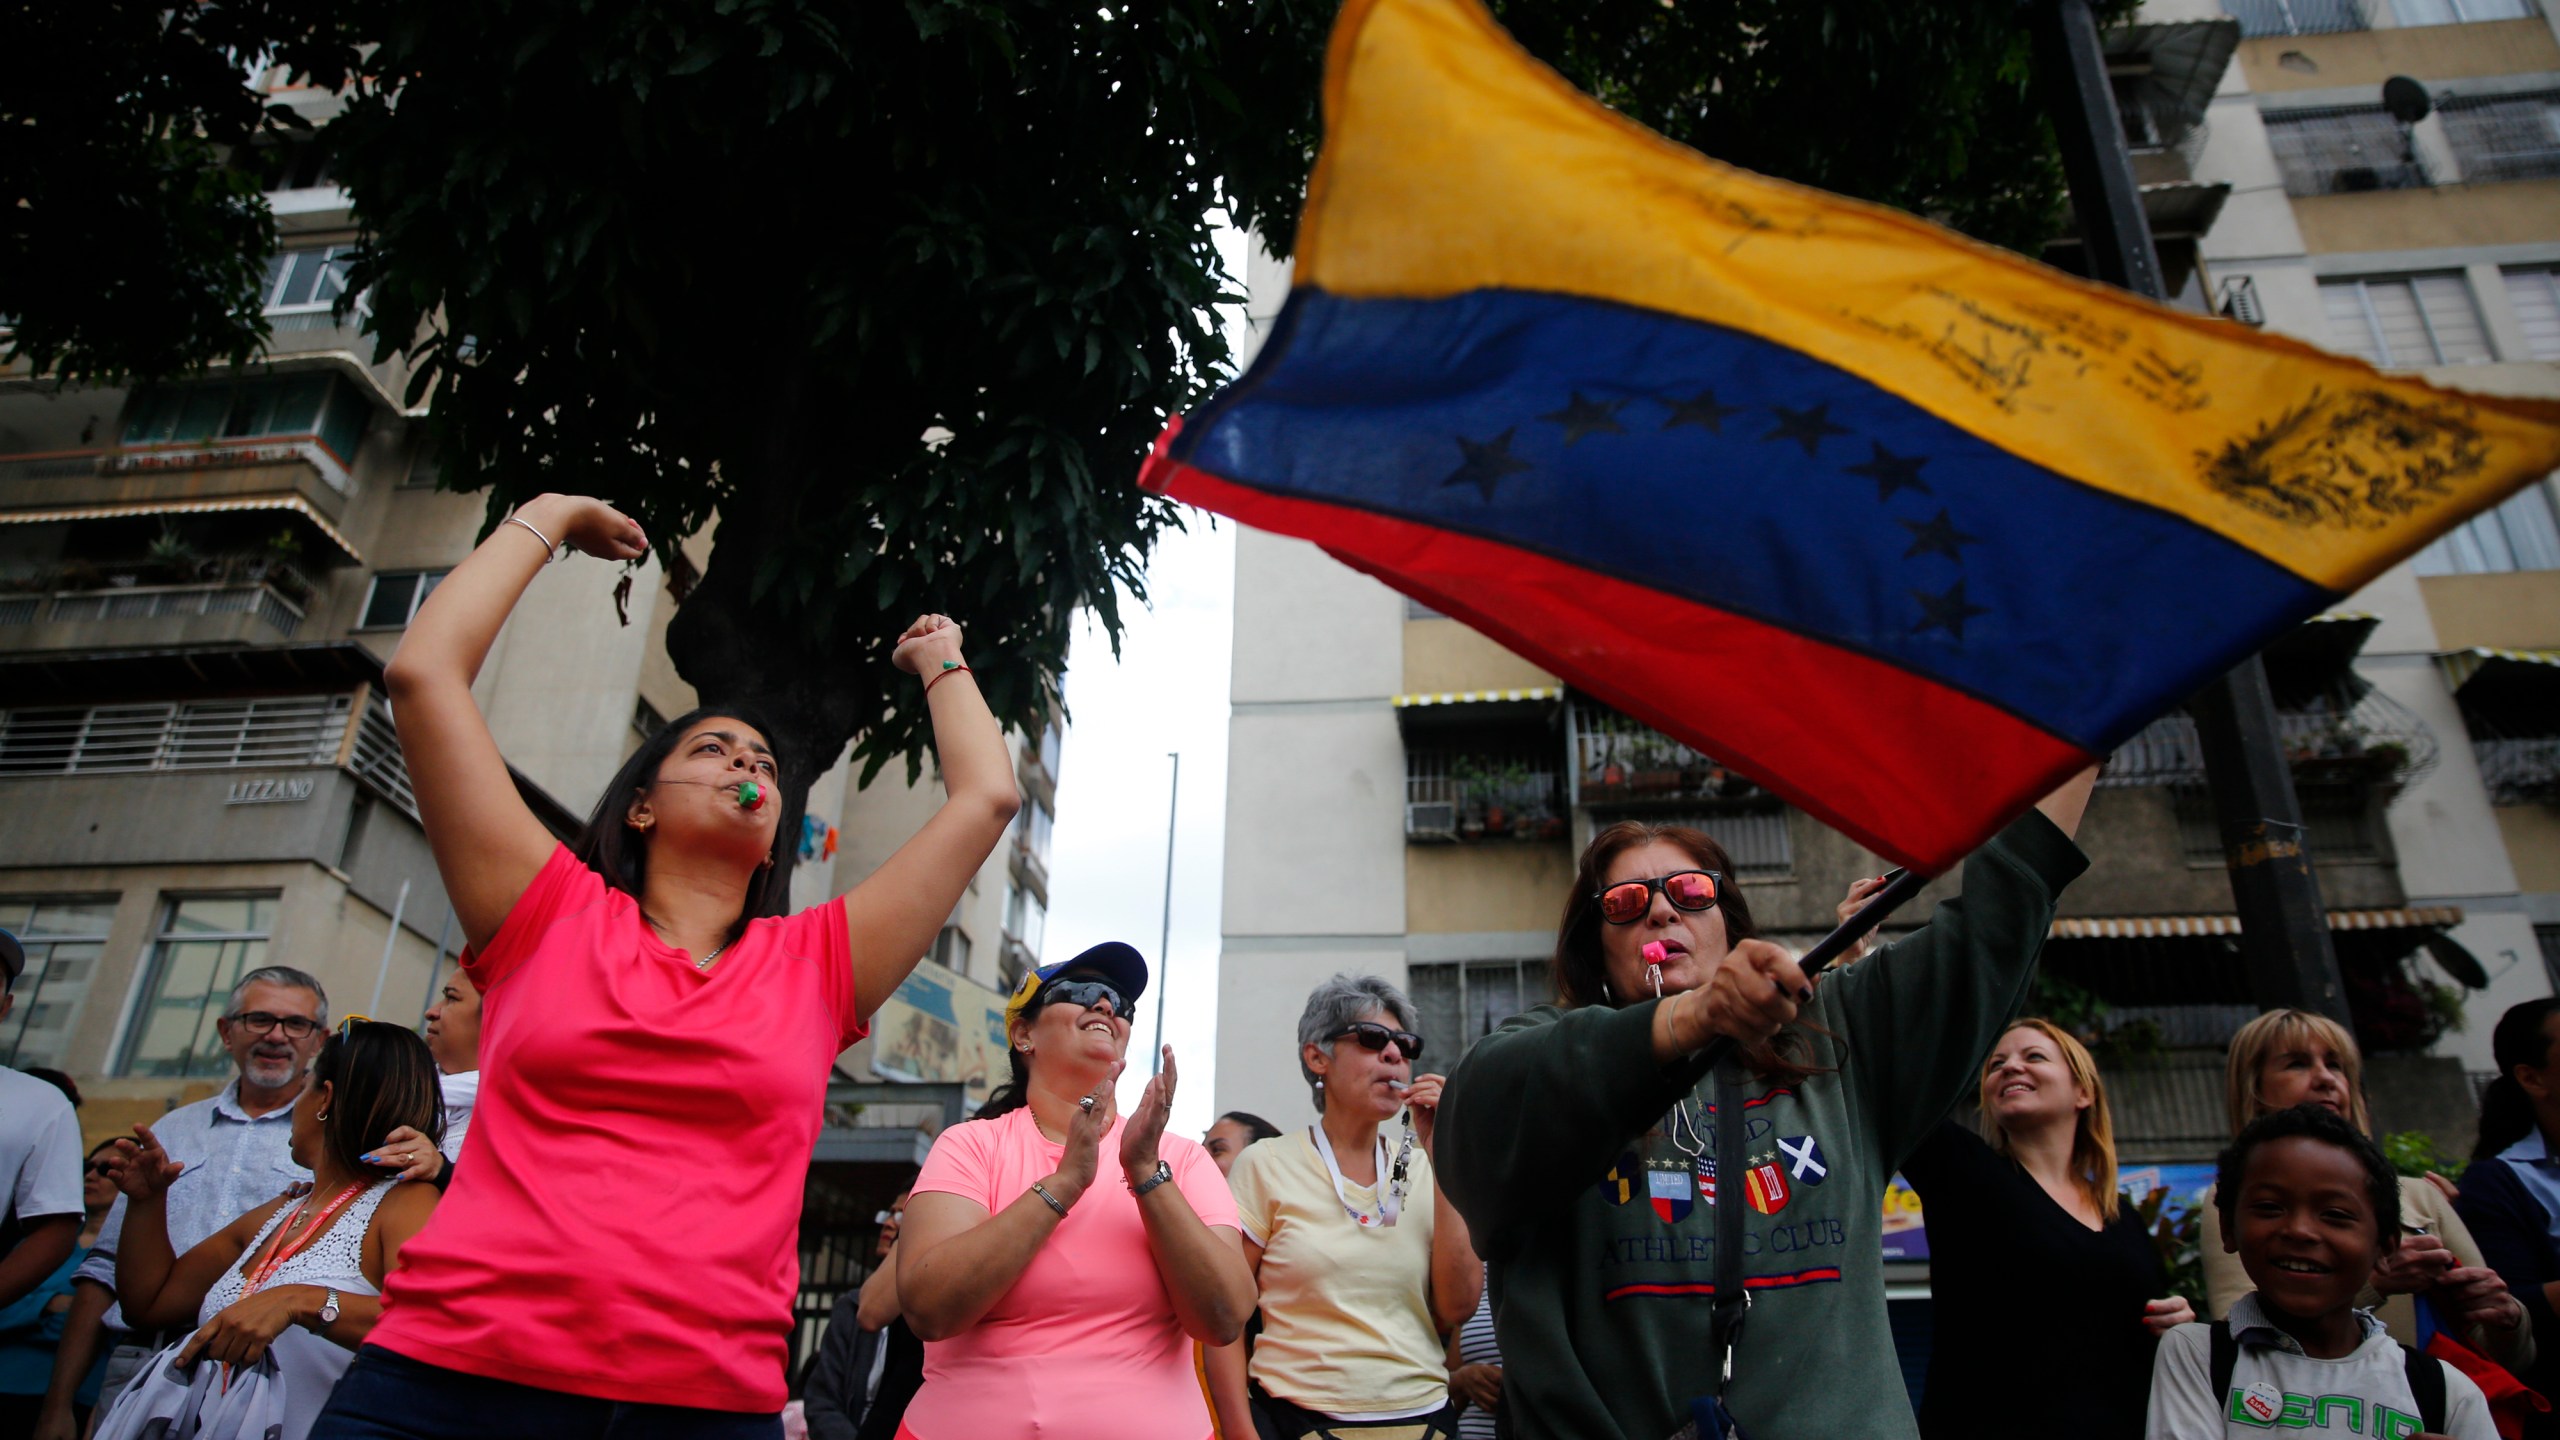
(130, 243)
(901, 292)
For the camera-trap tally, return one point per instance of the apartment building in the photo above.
(1406, 798)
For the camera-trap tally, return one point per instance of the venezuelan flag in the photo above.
(1905, 527)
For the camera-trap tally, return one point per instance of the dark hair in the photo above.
(2506, 1112)
(1579, 971)
(1254, 1125)
(381, 1077)
(611, 848)
(2309, 1122)
(69, 1087)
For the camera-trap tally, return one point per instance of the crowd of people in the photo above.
(1648, 1208)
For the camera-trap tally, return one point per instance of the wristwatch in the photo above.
(328, 1311)
(1163, 1173)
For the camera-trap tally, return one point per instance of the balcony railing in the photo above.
(2505, 138)
(2519, 772)
(1616, 760)
(2354, 739)
(154, 602)
(191, 735)
(2344, 150)
(2297, 17)
(179, 455)
(1455, 795)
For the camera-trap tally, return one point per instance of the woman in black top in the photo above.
(2047, 1289)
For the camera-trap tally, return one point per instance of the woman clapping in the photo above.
(1057, 1258)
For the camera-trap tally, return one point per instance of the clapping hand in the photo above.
(1146, 1127)
(1083, 1155)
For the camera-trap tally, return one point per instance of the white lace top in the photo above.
(308, 1364)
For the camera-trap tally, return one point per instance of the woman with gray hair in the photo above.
(1361, 1264)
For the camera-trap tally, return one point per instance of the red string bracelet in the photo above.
(949, 669)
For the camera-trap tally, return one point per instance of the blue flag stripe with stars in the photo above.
(1816, 501)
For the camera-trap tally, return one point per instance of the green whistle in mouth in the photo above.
(749, 795)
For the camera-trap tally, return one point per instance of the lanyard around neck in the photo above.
(1392, 1202)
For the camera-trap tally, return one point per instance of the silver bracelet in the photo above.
(550, 552)
(1054, 1202)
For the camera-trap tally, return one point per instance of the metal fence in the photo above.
(376, 759)
(197, 735)
(2343, 149)
(154, 602)
(2369, 738)
(2519, 772)
(2510, 137)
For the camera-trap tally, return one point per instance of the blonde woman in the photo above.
(2036, 1267)
(2286, 1058)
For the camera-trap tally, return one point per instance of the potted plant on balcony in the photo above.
(1657, 768)
(1607, 779)
(173, 561)
(1466, 783)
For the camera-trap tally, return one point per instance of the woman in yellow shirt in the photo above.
(1362, 1265)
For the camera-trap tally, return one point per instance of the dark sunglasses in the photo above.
(1084, 994)
(1373, 1036)
(1628, 901)
(99, 1168)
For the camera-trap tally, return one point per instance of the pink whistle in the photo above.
(1654, 954)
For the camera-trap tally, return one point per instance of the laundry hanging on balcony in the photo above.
(1906, 528)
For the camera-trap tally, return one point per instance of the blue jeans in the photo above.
(392, 1397)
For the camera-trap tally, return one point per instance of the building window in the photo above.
(2518, 535)
(307, 281)
(1036, 829)
(64, 939)
(2339, 822)
(951, 950)
(274, 406)
(2294, 17)
(2343, 149)
(645, 719)
(2459, 12)
(206, 943)
(426, 464)
(2533, 293)
(395, 597)
(2510, 137)
(1053, 741)
(2406, 321)
(1026, 915)
(1462, 1003)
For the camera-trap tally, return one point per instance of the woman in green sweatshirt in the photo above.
(1580, 1139)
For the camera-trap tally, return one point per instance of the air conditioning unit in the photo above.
(2239, 301)
(1430, 820)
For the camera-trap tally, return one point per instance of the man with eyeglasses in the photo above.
(237, 1150)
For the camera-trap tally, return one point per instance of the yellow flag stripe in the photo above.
(1453, 161)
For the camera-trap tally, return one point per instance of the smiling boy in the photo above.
(2310, 1205)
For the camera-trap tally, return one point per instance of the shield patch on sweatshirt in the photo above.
(1619, 1185)
(1670, 1191)
(1707, 1178)
(1766, 1187)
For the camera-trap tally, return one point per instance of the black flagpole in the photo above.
(2284, 929)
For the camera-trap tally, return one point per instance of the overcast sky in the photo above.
(1167, 691)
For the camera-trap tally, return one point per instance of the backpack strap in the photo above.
(2426, 1385)
(2225, 1352)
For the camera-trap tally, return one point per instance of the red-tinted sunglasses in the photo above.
(1629, 901)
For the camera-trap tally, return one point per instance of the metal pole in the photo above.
(398, 907)
(1164, 938)
(2284, 929)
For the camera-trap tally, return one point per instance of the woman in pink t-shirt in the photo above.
(1058, 1260)
(619, 1253)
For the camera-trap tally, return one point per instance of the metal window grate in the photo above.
(157, 602)
(2521, 771)
(2296, 17)
(2510, 137)
(200, 735)
(377, 760)
(1459, 1004)
(1762, 845)
(2346, 737)
(2344, 149)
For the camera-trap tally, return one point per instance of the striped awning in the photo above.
(2459, 666)
(1480, 697)
(293, 503)
(2156, 927)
